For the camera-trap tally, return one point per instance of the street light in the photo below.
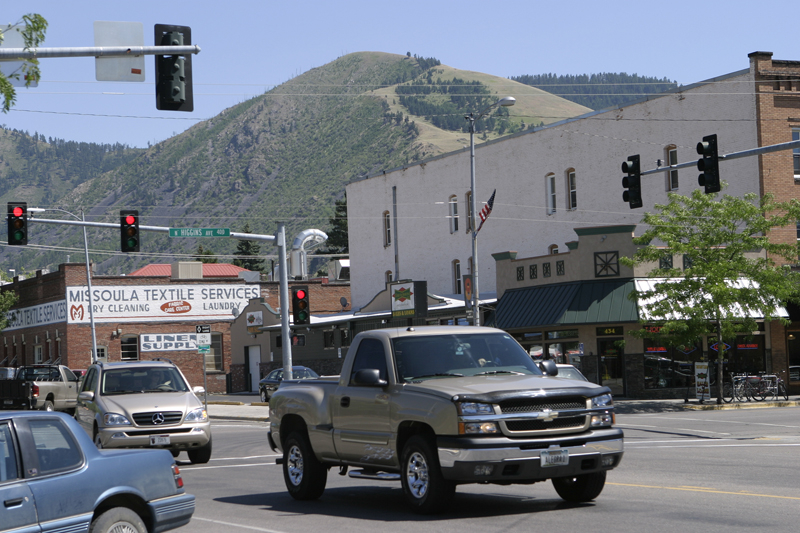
(82, 218)
(503, 102)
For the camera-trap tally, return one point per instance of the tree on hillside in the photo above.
(248, 252)
(206, 255)
(337, 242)
(7, 299)
(732, 274)
(33, 32)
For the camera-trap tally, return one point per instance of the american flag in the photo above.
(486, 211)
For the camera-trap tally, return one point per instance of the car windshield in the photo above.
(458, 355)
(142, 380)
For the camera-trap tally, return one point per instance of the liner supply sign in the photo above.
(153, 303)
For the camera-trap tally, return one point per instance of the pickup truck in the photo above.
(45, 387)
(439, 406)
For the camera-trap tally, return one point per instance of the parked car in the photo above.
(52, 478)
(144, 404)
(46, 387)
(270, 384)
(570, 372)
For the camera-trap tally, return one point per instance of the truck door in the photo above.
(361, 414)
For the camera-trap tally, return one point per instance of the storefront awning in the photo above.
(579, 302)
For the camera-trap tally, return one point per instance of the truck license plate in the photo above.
(159, 440)
(554, 458)
(8, 402)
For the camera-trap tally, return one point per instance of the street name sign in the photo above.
(199, 232)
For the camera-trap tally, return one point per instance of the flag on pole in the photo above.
(486, 211)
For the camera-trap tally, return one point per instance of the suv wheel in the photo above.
(200, 455)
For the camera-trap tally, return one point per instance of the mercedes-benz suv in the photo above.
(144, 404)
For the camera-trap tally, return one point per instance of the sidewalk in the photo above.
(259, 412)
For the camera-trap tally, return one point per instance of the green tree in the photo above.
(33, 32)
(7, 299)
(248, 252)
(337, 242)
(206, 256)
(733, 272)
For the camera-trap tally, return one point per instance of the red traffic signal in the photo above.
(301, 313)
(129, 231)
(17, 223)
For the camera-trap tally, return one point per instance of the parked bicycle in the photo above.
(771, 386)
(741, 388)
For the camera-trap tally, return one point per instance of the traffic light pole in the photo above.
(11, 54)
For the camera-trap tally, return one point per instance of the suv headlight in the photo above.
(198, 415)
(604, 400)
(114, 419)
(472, 408)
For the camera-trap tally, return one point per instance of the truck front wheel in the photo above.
(304, 475)
(425, 489)
(580, 489)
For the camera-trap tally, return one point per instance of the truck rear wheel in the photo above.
(304, 475)
(48, 406)
(580, 489)
(424, 486)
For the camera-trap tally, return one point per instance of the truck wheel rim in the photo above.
(295, 465)
(417, 475)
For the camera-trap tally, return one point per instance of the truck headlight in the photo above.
(472, 408)
(604, 400)
(114, 419)
(198, 415)
(478, 428)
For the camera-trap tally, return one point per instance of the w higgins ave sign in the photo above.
(149, 303)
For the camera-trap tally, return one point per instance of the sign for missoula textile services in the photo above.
(156, 303)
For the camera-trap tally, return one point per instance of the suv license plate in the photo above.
(159, 440)
(554, 458)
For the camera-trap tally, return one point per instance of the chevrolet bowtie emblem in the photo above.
(547, 415)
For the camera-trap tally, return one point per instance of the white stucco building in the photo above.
(412, 222)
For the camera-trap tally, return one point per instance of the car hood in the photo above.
(504, 385)
(127, 404)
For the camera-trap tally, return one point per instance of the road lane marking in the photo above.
(706, 490)
(188, 468)
(231, 524)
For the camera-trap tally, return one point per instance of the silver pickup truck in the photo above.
(52, 387)
(439, 406)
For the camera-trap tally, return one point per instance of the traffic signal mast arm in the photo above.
(12, 54)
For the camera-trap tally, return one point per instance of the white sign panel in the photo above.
(38, 315)
(168, 342)
(12, 38)
(157, 303)
(701, 381)
(402, 295)
(203, 339)
(128, 68)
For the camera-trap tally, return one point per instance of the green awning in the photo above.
(573, 303)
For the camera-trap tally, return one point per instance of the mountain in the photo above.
(283, 156)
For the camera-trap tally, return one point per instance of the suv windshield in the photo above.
(142, 379)
(460, 355)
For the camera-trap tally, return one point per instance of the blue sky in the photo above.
(249, 46)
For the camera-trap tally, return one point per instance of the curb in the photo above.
(747, 405)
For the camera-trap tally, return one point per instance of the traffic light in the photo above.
(632, 182)
(301, 312)
(709, 164)
(174, 72)
(17, 223)
(129, 230)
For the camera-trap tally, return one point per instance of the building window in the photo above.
(388, 277)
(456, 277)
(102, 353)
(545, 270)
(552, 249)
(687, 262)
(214, 357)
(344, 337)
(559, 268)
(129, 348)
(796, 153)
(572, 191)
(453, 203)
(328, 338)
(550, 181)
(665, 263)
(38, 354)
(606, 264)
(469, 211)
(520, 273)
(533, 272)
(387, 229)
(672, 175)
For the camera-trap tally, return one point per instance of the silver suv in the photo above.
(144, 404)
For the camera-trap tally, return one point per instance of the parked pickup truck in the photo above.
(439, 406)
(46, 387)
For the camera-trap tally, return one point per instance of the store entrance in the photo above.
(611, 374)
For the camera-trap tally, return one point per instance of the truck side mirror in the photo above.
(369, 377)
(549, 367)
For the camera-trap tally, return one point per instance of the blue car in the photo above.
(52, 477)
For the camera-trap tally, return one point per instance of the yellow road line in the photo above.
(706, 490)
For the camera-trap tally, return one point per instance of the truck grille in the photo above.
(535, 424)
(152, 418)
(527, 405)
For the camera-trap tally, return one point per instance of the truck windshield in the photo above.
(432, 356)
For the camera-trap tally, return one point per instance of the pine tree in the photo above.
(248, 252)
(337, 242)
(206, 256)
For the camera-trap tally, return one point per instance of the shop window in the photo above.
(668, 367)
(453, 204)
(129, 348)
